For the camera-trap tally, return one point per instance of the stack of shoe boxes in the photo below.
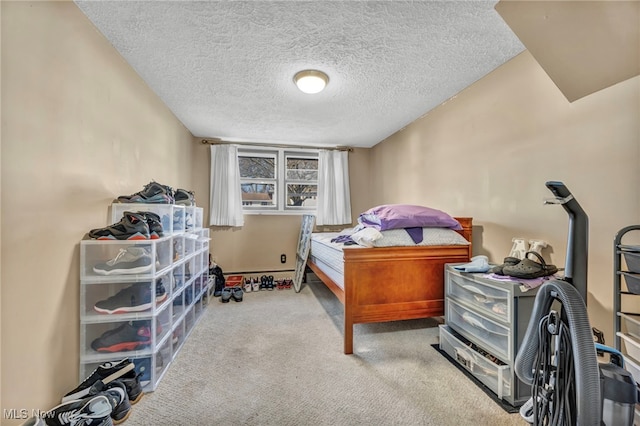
(140, 299)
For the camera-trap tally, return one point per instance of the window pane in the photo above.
(304, 169)
(258, 194)
(302, 195)
(257, 167)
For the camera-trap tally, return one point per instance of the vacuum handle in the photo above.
(615, 355)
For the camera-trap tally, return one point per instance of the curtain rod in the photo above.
(214, 141)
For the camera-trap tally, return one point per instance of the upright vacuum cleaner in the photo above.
(558, 355)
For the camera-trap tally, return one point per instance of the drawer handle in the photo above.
(478, 294)
(474, 322)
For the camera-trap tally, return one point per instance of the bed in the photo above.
(382, 284)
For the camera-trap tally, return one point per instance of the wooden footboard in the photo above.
(393, 283)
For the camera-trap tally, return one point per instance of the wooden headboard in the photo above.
(465, 222)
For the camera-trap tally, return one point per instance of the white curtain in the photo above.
(226, 195)
(334, 197)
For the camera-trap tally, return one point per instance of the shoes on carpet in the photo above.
(130, 260)
(106, 372)
(237, 293)
(131, 382)
(92, 410)
(116, 391)
(132, 226)
(263, 282)
(248, 285)
(152, 193)
(255, 285)
(126, 337)
(226, 294)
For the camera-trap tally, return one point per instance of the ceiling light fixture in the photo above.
(311, 81)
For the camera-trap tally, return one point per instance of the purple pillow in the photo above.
(394, 216)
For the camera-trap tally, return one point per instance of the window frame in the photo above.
(281, 155)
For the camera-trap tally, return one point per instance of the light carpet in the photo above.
(276, 358)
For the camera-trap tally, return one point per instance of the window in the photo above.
(278, 180)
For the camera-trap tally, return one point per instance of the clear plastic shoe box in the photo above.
(99, 301)
(172, 216)
(111, 260)
(190, 243)
(193, 218)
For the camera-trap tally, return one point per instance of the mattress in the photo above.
(328, 256)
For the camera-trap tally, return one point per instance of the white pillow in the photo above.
(431, 237)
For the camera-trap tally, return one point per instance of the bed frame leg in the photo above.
(348, 337)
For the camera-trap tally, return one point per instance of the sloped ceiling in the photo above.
(225, 68)
(584, 46)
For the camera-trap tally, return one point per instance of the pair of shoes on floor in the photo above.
(284, 283)
(229, 293)
(251, 284)
(102, 399)
(91, 410)
(133, 226)
(266, 282)
(525, 268)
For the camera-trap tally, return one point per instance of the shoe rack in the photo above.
(145, 316)
(626, 297)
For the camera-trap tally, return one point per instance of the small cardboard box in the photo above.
(233, 281)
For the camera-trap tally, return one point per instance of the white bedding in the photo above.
(329, 257)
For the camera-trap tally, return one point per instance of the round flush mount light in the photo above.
(311, 81)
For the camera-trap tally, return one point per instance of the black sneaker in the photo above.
(184, 198)
(153, 193)
(155, 224)
(126, 337)
(132, 226)
(106, 372)
(131, 381)
(116, 391)
(135, 298)
(132, 260)
(93, 410)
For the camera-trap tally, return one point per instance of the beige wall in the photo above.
(79, 127)
(488, 152)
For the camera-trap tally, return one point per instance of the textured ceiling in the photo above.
(225, 68)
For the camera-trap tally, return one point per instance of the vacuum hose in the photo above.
(588, 402)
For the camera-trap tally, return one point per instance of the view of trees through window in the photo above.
(261, 180)
(302, 181)
(258, 180)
